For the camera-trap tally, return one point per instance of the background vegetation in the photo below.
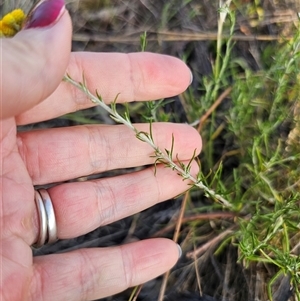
(244, 101)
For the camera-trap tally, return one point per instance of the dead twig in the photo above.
(213, 107)
(197, 217)
(172, 37)
(209, 244)
(175, 239)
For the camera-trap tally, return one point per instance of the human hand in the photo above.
(33, 64)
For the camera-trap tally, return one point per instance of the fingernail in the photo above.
(191, 79)
(45, 13)
(179, 250)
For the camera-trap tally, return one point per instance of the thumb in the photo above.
(34, 61)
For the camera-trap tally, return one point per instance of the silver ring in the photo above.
(51, 221)
(42, 220)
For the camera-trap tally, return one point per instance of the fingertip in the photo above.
(45, 13)
(189, 138)
(168, 75)
(178, 74)
(152, 258)
(196, 137)
(34, 62)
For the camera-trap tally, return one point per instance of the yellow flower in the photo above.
(11, 23)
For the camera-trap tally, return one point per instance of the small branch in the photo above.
(210, 243)
(197, 217)
(212, 108)
(175, 36)
(163, 286)
(161, 157)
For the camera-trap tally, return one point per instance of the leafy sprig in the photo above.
(161, 156)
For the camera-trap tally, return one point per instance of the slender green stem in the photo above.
(160, 156)
(220, 67)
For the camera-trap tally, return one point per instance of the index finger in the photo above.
(133, 77)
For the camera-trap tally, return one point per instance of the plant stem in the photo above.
(160, 156)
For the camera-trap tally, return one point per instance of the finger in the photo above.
(100, 202)
(90, 274)
(56, 155)
(33, 62)
(134, 76)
